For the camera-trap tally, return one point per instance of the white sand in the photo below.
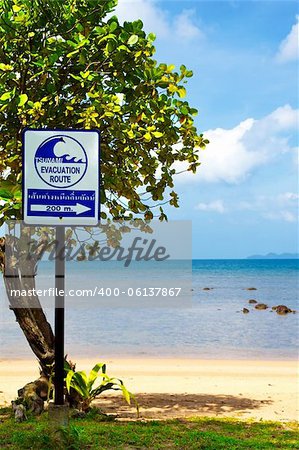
(167, 388)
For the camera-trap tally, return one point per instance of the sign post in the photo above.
(59, 316)
(61, 177)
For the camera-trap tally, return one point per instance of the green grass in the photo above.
(192, 434)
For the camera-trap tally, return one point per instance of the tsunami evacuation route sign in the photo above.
(61, 177)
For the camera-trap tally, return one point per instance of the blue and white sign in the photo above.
(61, 174)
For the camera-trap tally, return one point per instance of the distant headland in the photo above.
(275, 256)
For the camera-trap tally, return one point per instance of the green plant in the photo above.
(84, 385)
(70, 437)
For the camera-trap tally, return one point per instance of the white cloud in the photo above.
(158, 20)
(288, 197)
(154, 18)
(233, 154)
(288, 49)
(283, 118)
(286, 216)
(185, 28)
(214, 206)
(227, 158)
(282, 206)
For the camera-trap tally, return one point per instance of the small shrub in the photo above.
(84, 385)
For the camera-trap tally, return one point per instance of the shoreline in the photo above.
(182, 387)
(146, 356)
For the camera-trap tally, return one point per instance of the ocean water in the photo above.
(211, 326)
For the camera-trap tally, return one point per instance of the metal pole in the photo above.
(59, 316)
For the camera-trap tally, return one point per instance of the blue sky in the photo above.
(244, 55)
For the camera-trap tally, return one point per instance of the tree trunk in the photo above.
(19, 274)
(27, 309)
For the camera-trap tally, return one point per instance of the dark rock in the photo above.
(261, 306)
(282, 310)
(245, 310)
(251, 289)
(252, 301)
(207, 289)
(34, 394)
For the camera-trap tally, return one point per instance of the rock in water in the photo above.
(282, 310)
(207, 289)
(261, 306)
(251, 289)
(245, 310)
(252, 301)
(19, 412)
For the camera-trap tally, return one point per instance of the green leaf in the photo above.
(69, 55)
(147, 137)
(124, 48)
(111, 46)
(100, 30)
(16, 8)
(5, 96)
(68, 379)
(22, 99)
(113, 26)
(81, 377)
(5, 195)
(79, 383)
(157, 134)
(124, 36)
(131, 134)
(12, 158)
(182, 92)
(17, 194)
(183, 68)
(126, 394)
(5, 67)
(133, 39)
(94, 373)
(151, 37)
(76, 77)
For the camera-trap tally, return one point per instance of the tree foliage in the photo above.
(71, 64)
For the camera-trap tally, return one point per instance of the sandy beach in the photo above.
(168, 388)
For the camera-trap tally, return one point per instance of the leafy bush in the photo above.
(84, 385)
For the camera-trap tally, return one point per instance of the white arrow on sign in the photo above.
(78, 208)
